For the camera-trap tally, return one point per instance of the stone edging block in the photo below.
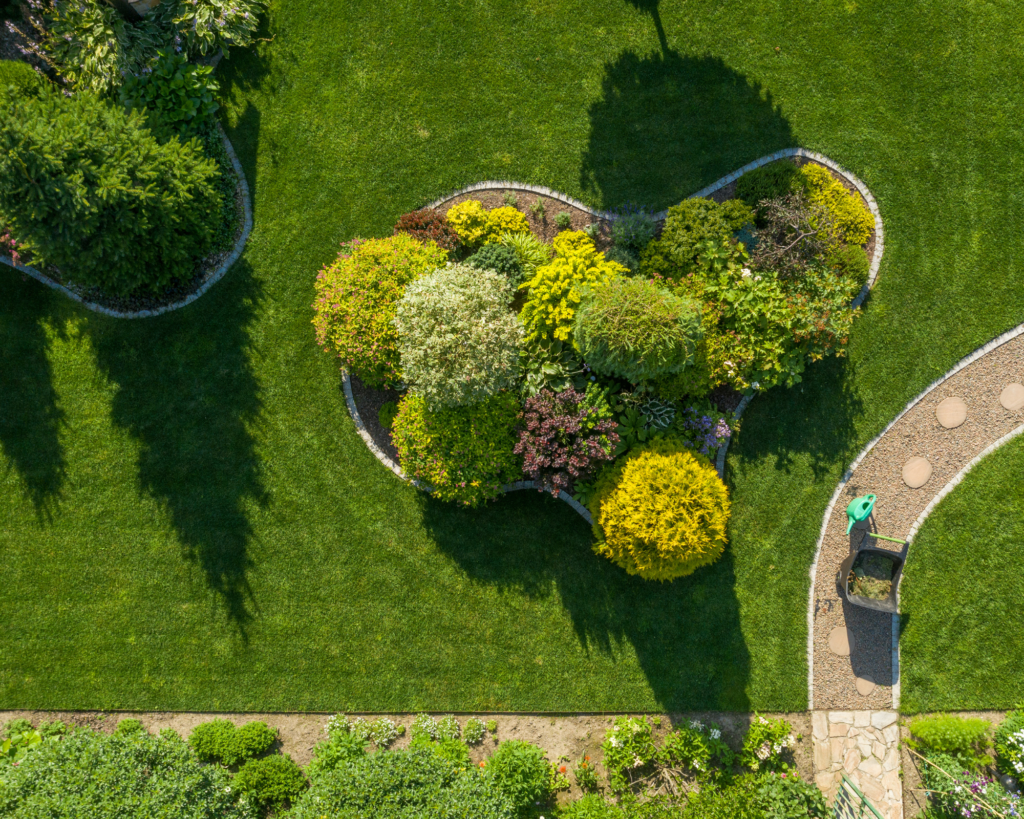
(211, 280)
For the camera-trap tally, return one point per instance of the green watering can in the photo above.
(859, 510)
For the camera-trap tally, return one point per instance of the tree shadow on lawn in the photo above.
(686, 633)
(666, 125)
(188, 394)
(30, 414)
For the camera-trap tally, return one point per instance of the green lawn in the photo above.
(961, 594)
(187, 517)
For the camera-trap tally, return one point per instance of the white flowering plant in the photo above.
(383, 732)
(697, 749)
(766, 744)
(473, 734)
(341, 724)
(1009, 744)
(629, 751)
(448, 727)
(423, 726)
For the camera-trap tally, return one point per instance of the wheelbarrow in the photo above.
(886, 603)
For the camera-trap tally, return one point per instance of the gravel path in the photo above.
(917, 433)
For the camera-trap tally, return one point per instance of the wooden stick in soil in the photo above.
(949, 793)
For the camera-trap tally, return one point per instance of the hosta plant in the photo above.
(177, 97)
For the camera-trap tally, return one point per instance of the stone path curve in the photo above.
(927, 442)
(211, 279)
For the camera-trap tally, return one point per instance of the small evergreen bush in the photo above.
(771, 181)
(500, 259)
(128, 775)
(220, 741)
(660, 512)
(428, 225)
(413, 784)
(25, 80)
(356, 299)
(519, 770)
(633, 230)
(635, 329)
(87, 188)
(271, 782)
(563, 436)
(853, 221)
(458, 340)
(965, 739)
(465, 454)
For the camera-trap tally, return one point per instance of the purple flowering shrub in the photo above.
(704, 430)
(955, 792)
(562, 437)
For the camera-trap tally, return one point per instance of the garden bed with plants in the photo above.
(489, 766)
(585, 357)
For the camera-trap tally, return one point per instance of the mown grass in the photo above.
(188, 519)
(960, 595)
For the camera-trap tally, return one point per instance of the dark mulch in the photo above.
(368, 402)
(725, 398)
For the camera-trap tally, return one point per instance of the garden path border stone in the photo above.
(977, 380)
(211, 279)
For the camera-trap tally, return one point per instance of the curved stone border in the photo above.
(785, 153)
(382, 456)
(211, 280)
(1009, 335)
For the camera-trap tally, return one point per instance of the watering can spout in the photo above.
(858, 510)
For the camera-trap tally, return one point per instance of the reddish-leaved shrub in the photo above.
(562, 437)
(427, 224)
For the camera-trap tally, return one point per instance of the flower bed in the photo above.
(634, 331)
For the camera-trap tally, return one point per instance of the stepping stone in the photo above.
(865, 685)
(951, 413)
(916, 472)
(840, 641)
(1012, 397)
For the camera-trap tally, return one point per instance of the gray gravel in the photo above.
(898, 507)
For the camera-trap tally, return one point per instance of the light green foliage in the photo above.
(474, 731)
(452, 751)
(130, 776)
(414, 784)
(17, 739)
(356, 299)
(465, 454)
(635, 329)
(689, 226)
(634, 230)
(386, 414)
(853, 221)
(130, 726)
(519, 770)
(629, 751)
(206, 26)
(220, 741)
(26, 81)
(1009, 744)
(177, 97)
(448, 727)
(458, 338)
(530, 251)
(556, 287)
(271, 782)
(787, 796)
(697, 748)
(93, 47)
(88, 189)
(383, 732)
(766, 743)
(340, 748)
(586, 775)
(492, 726)
(424, 725)
(966, 739)
(954, 792)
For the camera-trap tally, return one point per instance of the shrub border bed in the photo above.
(211, 279)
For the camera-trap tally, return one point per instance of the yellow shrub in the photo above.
(660, 512)
(470, 221)
(572, 241)
(555, 292)
(505, 220)
(853, 220)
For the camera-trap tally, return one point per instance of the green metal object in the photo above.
(884, 537)
(852, 804)
(859, 510)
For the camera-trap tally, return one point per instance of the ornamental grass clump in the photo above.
(356, 298)
(562, 437)
(661, 511)
(635, 329)
(459, 340)
(464, 454)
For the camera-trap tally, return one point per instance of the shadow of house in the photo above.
(686, 634)
(30, 414)
(666, 125)
(186, 391)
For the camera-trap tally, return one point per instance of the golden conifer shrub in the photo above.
(661, 511)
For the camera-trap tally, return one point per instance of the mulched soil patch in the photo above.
(368, 402)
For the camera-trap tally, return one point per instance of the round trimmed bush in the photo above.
(128, 775)
(469, 221)
(356, 297)
(660, 512)
(413, 784)
(22, 76)
(458, 340)
(272, 781)
(220, 741)
(466, 454)
(688, 226)
(500, 259)
(428, 225)
(519, 770)
(634, 329)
